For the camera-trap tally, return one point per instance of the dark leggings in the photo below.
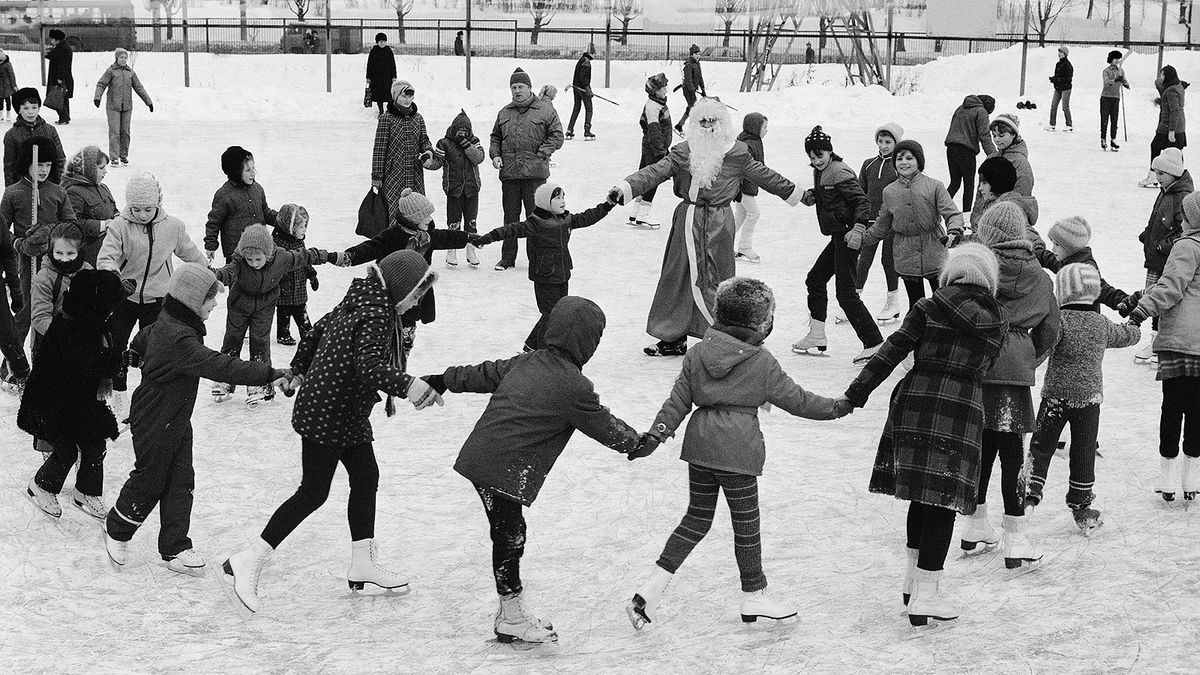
(741, 492)
(285, 314)
(1085, 424)
(1160, 143)
(866, 256)
(1010, 447)
(930, 529)
(89, 479)
(12, 345)
(915, 287)
(319, 463)
(1180, 416)
(839, 262)
(961, 161)
(507, 525)
(121, 323)
(1110, 109)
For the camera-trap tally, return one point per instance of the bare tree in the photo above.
(402, 7)
(159, 8)
(729, 10)
(1047, 12)
(543, 12)
(242, 20)
(626, 11)
(300, 8)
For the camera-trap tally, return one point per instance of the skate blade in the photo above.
(87, 513)
(1017, 567)
(226, 581)
(197, 572)
(507, 644)
(221, 398)
(358, 588)
(769, 621)
(1089, 530)
(886, 321)
(839, 320)
(921, 626)
(636, 609)
(742, 258)
(820, 351)
(974, 548)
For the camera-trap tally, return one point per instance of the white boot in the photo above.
(891, 308)
(1150, 181)
(979, 534)
(866, 354)
(365, 568)
(46, 501)
(93, 506)
(221, 392)
(452, 258)
(926, 602)
(1145, 354)
(641, 216)
(1170, 470)
(815, 338)
(515, 624)
(186, 562)
(118, 551)
(643, 609)
(758, 605)
(910, 575)
(1191, 477)
(1018, 547)
(472, 258)
(257, 395)
(246, 567)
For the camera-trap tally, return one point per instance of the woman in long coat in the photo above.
(700, 251)
(381, 70)
(402, 147)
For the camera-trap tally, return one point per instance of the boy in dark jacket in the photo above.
(1164, 227)
(241, 201)
(693, 83)
(841, 204)
(459, 155)
(254, 275)
(1064, 73)
(173, 358)
(745, 208)
(549, 233)
(581, 87)
(1069, 239)
(64, 399)
(291, 226)
(29, 124)
(538, 401)
(656, 143)
(968, 131)
(350, 355)
(877, 173)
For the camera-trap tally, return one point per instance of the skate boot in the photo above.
(246, 567)
(46, 501)
(1087, 519)
(186, 562)
(641, 216)
(1145, 354)
(1113, 145)
(93, 506)
(589, 136)
(814, 340)
(866, 354)
(1103, 144)
(758, 605)
(515, 624)
(1191, 477)
(221, 392)
(118, 551)
(286, 339)
(1170, 470)
(452, 258)
(570, 135)
(747, 255)
(979, 534)
(365, 568)
(926, 602)
(910, 575)
(643, 609)
(891, 308)
(1068, 129)
(472, 258)
(1150, 181)
(1019, 549)
(664, 348)
(256, 395)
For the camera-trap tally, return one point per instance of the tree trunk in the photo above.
(242, 20)
(728, 28)
(625, 29)
(400, 20)
(537, 28)
(155, 18)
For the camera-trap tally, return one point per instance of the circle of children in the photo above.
(82, 274)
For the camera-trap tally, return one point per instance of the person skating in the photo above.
(930, 450)
(1069, 243)
(876, 174)
(64, 258)
(656, 143)
(459, 155)
(90, 198)
(581, 87)
(1113, 80)
(11, 345)
(1171, 131)
(968, 132)
(693, 83)
(1064, 74)
(350, 355)
(1164, 226)
(745, 206)
(121, 83)
(841, 204)
(8, 86)
(291, 227)
(239, 202)
(727, 378)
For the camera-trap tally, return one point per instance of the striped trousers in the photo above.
(741, 492)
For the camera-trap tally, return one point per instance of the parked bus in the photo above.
(91, 25)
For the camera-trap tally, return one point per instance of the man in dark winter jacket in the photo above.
(968, 131)
(693, 81)
(381, 71)
(581, 87)
(527, 132)
(59, 71)
(1064, 73)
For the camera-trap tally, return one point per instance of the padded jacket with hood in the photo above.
(142, 253)
(460, 166)
(751, 130)
(969, 126)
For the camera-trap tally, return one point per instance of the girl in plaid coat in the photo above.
(402, 149)
(929, 453)
(291, 226)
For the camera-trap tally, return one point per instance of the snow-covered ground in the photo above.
(1127, 599)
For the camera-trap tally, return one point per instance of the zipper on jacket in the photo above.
(149, 257)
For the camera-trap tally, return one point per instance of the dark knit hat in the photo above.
(290, 218)
(999, 173)
(46, 153)
(973, 264)
(1072, 234)
(1114, 55)
(818, 140)
(1077, 284)
(57, 34)
(520, 77)
(414, 207)
(256, 237)
(655, 82)
(381, 37)
(1003, 222)
(400, 272)
(193, 284)
(26, 95)
(233, 160)
(913, 147)
(989, 103)
(745, 302)
(85, 162)
(694, 49)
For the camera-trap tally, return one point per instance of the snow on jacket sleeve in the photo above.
(677, 406)
(796, 400)
(307, 349)
(41, 300)
(582, 409)
(891, 353)
(591, 216)
(372, 364)
(482, 378)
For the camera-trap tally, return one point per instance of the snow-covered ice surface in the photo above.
(1128, 599)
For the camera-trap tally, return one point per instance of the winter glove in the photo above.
(97, 102)
(1171, 136)
(1138, 315)
(422, 395)
(478, 240)
(854, 238)
(426, 157)
(1126, 306)
(497, 163)
(616, 196)
(133, 359)
(808, 198)
(376, 184)
(842, 406)
(151, 107)
(647, 444)
(323, 255)
(210, 255)
(313, 283)
(952, 239)
(344, 259)
(438, 382)
(129, 286)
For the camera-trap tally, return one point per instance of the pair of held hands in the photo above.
(1129, 308)
(211, 255)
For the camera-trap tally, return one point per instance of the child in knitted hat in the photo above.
(930, 451)
(1072, 391)
(349, 356)
(241, 201)
(877, 173)
(291, 226)
(30, 124)
(139, 245)
(1006, 134)
(412, 228)
(90, 198)
(841, 204)
(460, 153)
(253, 277)
(549, 233)
(723, 445)
(173, 358)
(1069, 239)
(1164, 226)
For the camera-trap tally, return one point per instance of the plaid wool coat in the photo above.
(931, 443)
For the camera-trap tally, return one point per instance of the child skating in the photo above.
(459, 155)
(240, 202)
(746, 211)
(291, 226)
(1164, 226)
(655, 122)
(876, 174)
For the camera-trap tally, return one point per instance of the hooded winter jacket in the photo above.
(121, 83)
(549, 236)
(352, 353)
(1171, 115)
(22, 130)
(751, 130)
(142, 253)
(33, 239)
(1166, 223)
(840, 200)
(1027, 296)
(969, 126)
(1175, 299)
(538, 401)
(524, 137)
(914, 210)
(93, 204)
(459, 158)
(1018, 155)
(726, 378)
(234, 206)
(8, 79)
(252, 290)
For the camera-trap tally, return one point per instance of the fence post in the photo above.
(187, 67)
(891, 53)
(1162, 35)
(42, 48)
(607, 46)
(515, 34)
(467, 46)
(207, 42)
(328, 50)
(667, 56)
(439, 39)
(1024, 48)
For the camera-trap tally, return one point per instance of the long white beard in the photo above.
(707, 153)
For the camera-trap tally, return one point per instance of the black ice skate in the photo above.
(663, 348)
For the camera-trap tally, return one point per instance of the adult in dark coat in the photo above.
(459, 49)
(581, 87)
(1062, 78)
(381, 70)
(59, 71)
(63, 401)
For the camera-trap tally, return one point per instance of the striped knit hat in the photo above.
(1072, 234)
(1077, 284)
(972, 264)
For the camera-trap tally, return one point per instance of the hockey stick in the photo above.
(1124, 121)
(33, 210)
(581, 89)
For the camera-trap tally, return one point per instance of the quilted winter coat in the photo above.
(840, 200)
(914, 210)
(524, 136)
(251, 290)
(931, 444)
(234, 206)
(121, 83)
(92, 203)
(142, 253)
(400, 138)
